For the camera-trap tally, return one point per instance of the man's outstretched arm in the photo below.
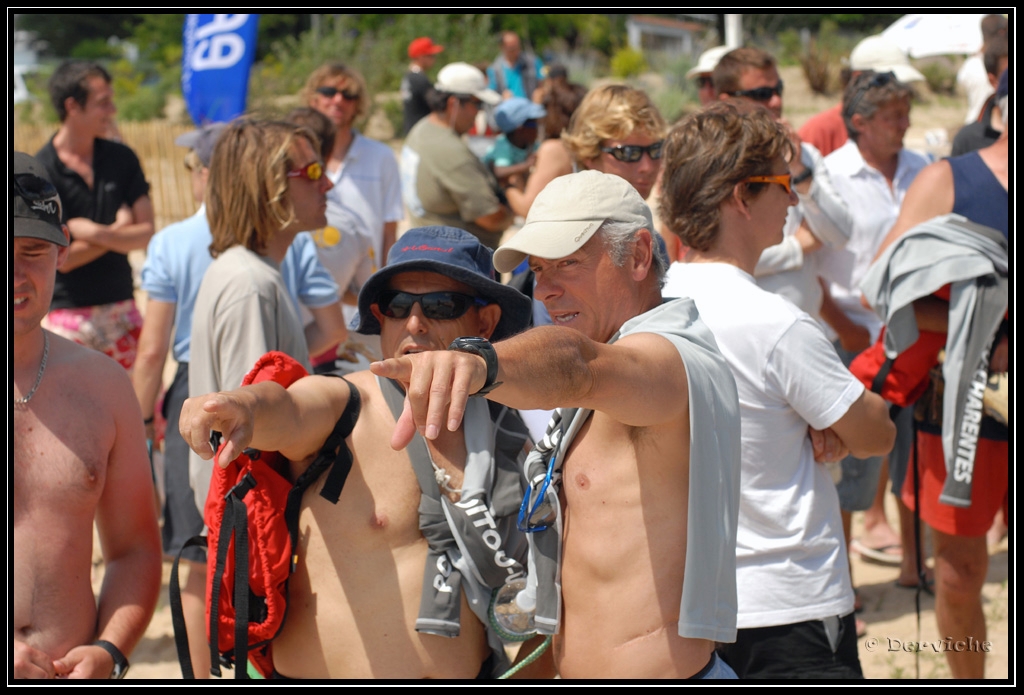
(639, 380)
(266, 416)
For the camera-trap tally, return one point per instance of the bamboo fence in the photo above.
(162, 161)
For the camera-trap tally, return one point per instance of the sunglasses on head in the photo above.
(331, 92)
(760, 93)
(784, 180)
(879, 80)
(633, 153)
(312, 171)
(439, 306)
(36, 189)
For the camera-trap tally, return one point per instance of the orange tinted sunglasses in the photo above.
(784, 180)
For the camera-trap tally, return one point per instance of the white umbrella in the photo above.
(921, 35)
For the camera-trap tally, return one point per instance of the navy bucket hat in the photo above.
(456, 254)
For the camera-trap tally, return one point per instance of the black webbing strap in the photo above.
(918, 559)
(178, 612)
(236, 521)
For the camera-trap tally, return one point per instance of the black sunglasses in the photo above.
(439, 306)
(36, 189)
(878, 80)
(760, 93)
(331, 92)
(633, 153)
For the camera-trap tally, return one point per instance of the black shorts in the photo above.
(798, 651)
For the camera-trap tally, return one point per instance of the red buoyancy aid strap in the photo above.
(903, 379)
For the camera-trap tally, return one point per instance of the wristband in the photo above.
(149, 420)
(120, 662)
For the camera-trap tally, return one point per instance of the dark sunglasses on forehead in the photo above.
(760, 93)
(312, 171)
(439, 306)
(36, 189)
(32, 187)
(879, 80)
(331, 92)
(632, 153)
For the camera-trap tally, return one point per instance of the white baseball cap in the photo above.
(882, 55)
(568, 212)
(707, 61)
(463, 78)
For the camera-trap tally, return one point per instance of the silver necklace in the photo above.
(39, 376)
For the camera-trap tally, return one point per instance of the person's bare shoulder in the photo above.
(84, 369)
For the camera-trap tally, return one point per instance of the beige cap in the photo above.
(568, 212)
(883, 55)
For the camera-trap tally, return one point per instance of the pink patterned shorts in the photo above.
(112, 329)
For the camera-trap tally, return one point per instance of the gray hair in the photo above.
(864, 96)
(618, 239)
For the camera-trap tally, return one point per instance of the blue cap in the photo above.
(454, 253)
(512, 113)
(202, 140)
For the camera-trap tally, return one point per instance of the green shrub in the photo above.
(628, 62)
(940, 74)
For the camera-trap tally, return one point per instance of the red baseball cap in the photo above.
(423, 46)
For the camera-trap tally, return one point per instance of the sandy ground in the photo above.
(888, 611)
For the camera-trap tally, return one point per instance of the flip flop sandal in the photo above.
(877, 554)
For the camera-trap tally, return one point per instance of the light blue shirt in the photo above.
(503, 153)
(177, 259)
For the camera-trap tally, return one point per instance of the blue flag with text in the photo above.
(218, 53)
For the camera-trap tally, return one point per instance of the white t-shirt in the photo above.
(875, 207)
(368, 183)
(791, 563)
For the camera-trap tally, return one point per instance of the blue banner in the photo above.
(218, 53)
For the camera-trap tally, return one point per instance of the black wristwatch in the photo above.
(802, 176)
(120, 662)
(482, 347)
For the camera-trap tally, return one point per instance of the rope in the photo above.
(528, 660)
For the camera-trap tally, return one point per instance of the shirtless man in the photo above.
(356, 593)
(79, 457)
(646, 500)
